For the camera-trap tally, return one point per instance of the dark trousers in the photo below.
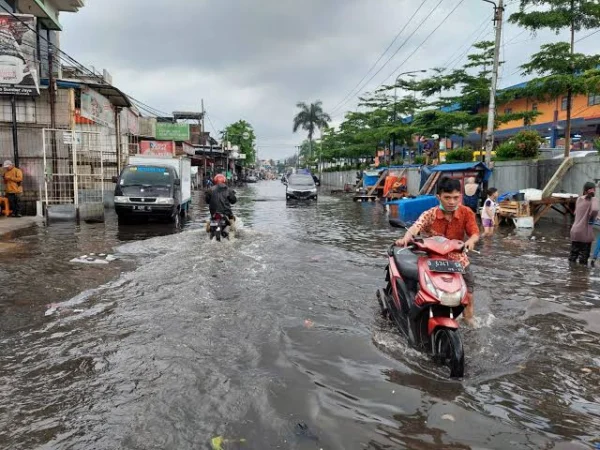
(14, 201)
(580, 251)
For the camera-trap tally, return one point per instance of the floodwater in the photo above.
(273, 340)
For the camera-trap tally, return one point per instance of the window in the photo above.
(508, 111)
(534, 107)
(594, 99)
(563, 104)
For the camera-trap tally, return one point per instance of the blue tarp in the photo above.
(457, 167)
(463, 167)
(409, 209)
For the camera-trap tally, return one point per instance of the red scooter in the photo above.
(424, 296)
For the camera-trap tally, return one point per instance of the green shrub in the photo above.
(459, 155)
(528, 144)
(506, 151)
(419, 159)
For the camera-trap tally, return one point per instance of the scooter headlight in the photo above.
(431, 287)
(449, 299)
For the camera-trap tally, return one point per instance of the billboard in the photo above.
(157, 148)
(172, 131)
(18, 68)
(96, 107)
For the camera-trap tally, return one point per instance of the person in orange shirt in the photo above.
(452, 220)
(13, 179)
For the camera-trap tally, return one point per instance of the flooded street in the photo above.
(274, 340)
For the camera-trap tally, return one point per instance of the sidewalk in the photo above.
(10, 224)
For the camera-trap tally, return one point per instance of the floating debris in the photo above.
(218, 441)
(308, 323)
(449, 417)
(93, 258)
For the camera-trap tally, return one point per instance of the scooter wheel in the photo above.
(385, 311)
(448, 350)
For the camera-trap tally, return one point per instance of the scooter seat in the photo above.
(406, 261)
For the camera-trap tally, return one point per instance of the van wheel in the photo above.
(176, 219)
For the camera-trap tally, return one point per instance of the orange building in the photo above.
(550, 123)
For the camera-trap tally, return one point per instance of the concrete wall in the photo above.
(514, 175)
(507, 176)
(336, 180)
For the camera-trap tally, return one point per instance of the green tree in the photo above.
(242, 134)
(311, 118)
(558, 64)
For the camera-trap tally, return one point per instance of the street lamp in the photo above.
(412, 74)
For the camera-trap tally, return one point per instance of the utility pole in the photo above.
(489, 138)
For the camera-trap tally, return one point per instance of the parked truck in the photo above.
(154, 187)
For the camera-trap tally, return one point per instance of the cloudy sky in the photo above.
(255, 60)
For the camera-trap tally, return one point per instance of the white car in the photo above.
(579, 154)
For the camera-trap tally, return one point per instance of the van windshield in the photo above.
(146, 176)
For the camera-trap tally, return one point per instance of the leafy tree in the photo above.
(558, 64)
(311, 118)
(242, 134)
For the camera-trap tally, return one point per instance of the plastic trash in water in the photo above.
(218, 441)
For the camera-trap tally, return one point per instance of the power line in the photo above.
(65, 57)
(587, 36)
(395, 53)
(211, 124)
(442, 22)
(382, 54)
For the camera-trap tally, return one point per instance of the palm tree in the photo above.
(310, 118)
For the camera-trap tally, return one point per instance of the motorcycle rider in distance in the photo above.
(451, 220)
(220, 198)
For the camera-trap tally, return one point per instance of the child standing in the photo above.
(488, 213)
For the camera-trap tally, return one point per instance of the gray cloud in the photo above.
(256, 59)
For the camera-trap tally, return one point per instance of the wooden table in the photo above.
(564, 206)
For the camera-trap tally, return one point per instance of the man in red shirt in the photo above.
(452, 220)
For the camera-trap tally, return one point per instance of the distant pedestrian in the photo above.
(582, 231)
(472, 193)
(13, 182)
(488, 213)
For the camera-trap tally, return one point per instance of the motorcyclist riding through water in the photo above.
(220, 198)
(453, 221)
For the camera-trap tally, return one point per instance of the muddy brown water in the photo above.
(275, 339)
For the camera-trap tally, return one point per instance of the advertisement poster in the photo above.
(172, 131)
(96, 107)
(18, 68)
(157, 148)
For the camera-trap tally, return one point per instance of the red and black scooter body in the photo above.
(425, 294)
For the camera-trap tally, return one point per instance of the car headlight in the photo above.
(313, 190)
(165, 201)
(121, 199)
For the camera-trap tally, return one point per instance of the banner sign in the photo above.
(172, 131)
(96, 107)
(18, 68)
(157, 148)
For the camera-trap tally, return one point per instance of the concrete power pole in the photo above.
(489, 138)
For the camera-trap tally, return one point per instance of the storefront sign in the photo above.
(157, 148)
(96, 107)
(18, 67)
(172, 131)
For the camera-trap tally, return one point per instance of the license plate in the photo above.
(214, 224)
(445, 266)
(142, 208)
